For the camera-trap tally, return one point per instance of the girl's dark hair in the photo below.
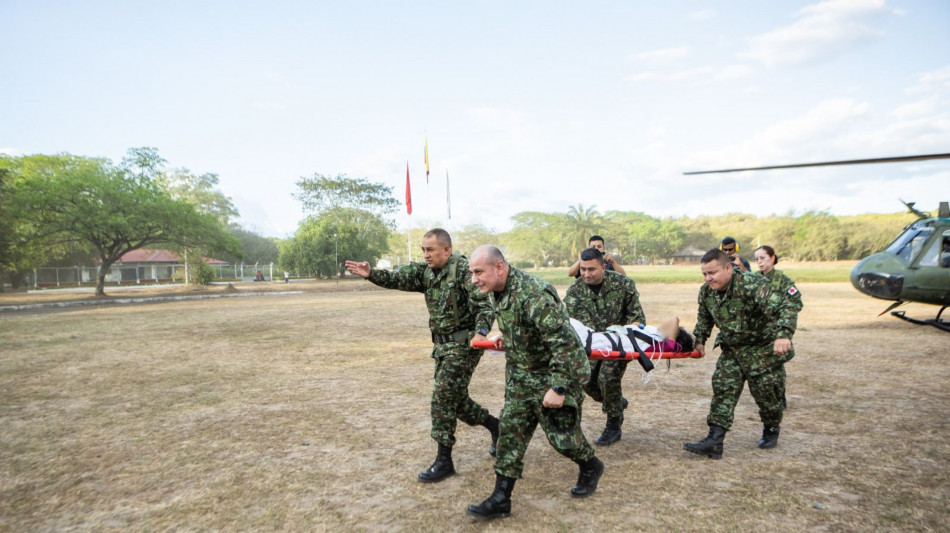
(685, 340)
(769, 250)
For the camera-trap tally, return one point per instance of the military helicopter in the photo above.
(915, 267)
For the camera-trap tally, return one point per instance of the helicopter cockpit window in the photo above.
(910, 243)
(945, 250)
(937, 251)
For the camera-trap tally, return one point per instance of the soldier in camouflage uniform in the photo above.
(601, 299)
(766, 259)
(756, 325)
(546, 369)
(458, 313)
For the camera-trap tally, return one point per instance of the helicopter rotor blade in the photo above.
(898, 159)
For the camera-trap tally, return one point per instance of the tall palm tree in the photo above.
(584, 222)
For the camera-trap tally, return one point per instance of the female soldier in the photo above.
(765, 258)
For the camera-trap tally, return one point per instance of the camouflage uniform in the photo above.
(750, 315)
(617, 303)
(541, 351)
(456, 311)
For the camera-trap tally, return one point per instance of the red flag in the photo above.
(408, 192)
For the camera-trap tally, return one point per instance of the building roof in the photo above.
(160, 256)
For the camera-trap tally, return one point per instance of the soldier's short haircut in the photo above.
(716, 255)
(595, 238)
(728, 240)
(493, 254)
(591, 254)
(441, 236)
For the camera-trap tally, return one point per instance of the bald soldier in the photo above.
(545, 372)
(458, 313)
(756, 325)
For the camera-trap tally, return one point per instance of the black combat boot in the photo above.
(588, 478)
(769, 437)
(711, 446)
(492, 424)
(498, 505)
(612, 432)
(441, 468)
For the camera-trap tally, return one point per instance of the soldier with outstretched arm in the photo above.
(545, 371)
(458, 314)
(756, 325)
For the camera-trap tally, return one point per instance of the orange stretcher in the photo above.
(601, 355)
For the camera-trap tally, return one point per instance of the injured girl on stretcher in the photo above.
(667, 337)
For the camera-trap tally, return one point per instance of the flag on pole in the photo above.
(427, 159)
(408, 192)
(448, 197)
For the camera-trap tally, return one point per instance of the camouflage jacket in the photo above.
(454, 303)
(617, 302)
(749, 314)
(786, 286)
(537, 333)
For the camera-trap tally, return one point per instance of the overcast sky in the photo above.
(529, 106)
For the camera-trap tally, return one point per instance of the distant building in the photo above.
(688, 256)
(143, 266)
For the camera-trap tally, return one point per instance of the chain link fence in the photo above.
(140, 275)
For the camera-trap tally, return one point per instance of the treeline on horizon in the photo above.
(555, 239)
(66, 210)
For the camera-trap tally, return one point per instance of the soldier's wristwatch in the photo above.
(483, 332)
(559, 389)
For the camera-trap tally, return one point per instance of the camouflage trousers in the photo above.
(604, 386)
(766, 385)
(520, 417)
(454, 365)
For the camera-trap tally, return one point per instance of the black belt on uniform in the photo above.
(458, 336)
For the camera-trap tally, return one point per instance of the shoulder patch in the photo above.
(792, 291)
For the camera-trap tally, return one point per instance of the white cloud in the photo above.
(824, 29)
(737, 72)
(662, 57)
(672, 75)
(702, 14)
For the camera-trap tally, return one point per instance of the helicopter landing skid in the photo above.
(935, 322)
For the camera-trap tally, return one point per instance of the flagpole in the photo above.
(428, 203)
(408, 215)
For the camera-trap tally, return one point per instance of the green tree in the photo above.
(114, 209)
(537, 237)
(320, 193)
(255, 249)
(638, 235)
(201, 192)
(352, 210)
(581, 224)
(818, 237)
(322, 242)
(24, 245)
(466, 239)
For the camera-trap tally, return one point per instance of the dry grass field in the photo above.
(309, 412)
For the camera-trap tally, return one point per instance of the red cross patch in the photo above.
(792, 291)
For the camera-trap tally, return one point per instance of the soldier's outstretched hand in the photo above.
(358, 268)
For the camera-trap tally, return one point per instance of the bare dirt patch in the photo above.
(310, 412)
